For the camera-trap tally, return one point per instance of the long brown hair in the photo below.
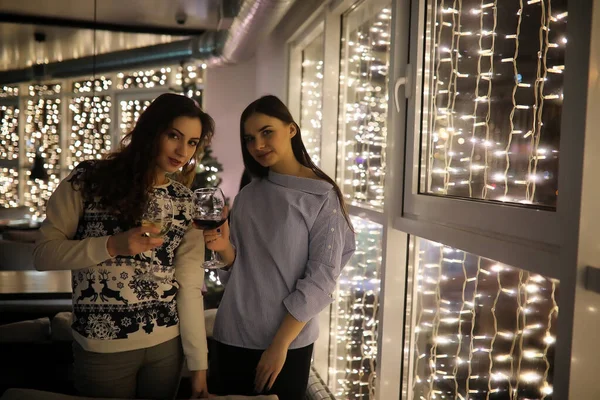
(124, 179)
(273, 107)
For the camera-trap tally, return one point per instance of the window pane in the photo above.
(493, 100)
(9, 151)
(354, 323)
(311, 102)
(480, 328)
(42, 139)
(363, 104)
(144, 79)
(130, 112)
(89, 115)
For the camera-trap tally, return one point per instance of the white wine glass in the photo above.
(208, 214)
(158, 214)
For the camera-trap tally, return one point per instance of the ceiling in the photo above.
(201, 14)
(68, 26)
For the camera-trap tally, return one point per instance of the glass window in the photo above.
(144, 79)
(42, 145)
(90, 120)
(493, 100)
(130, 112)
(354, 323)
(311, 97)
(9, 150)
(365, 53)
(480, 329)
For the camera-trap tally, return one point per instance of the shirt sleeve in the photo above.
(190, 305)
(55, 249)
(331, 244)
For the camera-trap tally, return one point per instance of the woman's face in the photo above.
(268, 139)
(178, 144)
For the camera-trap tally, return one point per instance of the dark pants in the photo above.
(151, 373)
(232, 371)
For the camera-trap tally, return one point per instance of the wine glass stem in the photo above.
(213, 255)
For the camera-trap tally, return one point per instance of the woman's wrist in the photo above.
(228, 255)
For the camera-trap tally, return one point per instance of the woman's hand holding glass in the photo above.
(218, 239)
(134, 241)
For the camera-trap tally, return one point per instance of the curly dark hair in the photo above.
(273, 107)
(124, 179)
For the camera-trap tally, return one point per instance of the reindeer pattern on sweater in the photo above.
(117, 299)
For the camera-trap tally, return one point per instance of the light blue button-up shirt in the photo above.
(291, 241)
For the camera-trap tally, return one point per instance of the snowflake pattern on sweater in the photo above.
(115, 299)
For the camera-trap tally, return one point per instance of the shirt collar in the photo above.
(308, 185)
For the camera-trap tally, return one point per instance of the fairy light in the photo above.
(497, 342)
(363, 108)
(130, 112)
(9, 150)
(101, 84)
(90, 122)
(311, 101)
(9, 135)
(191, 78)
(42, 132)
(354, 330)
(44, 89)
(143, 79)
(9, 91)
(492, 130)
(9, 187)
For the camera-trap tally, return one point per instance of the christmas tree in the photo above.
(207, 171)
(207, 174)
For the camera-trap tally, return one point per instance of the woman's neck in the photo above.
(293, 168)
(160, 179)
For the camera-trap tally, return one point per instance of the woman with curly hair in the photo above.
(130, 331)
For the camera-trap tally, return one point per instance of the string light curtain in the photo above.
(90, 119)
(130, 111)
(354, 326)
(363, 104)
(482, 330)
(311, 97)
(9, 91)
(495, 78)
(9, 146)
(147, 79)
(42, 135)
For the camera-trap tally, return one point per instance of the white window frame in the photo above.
(535, 240)
(534, 234)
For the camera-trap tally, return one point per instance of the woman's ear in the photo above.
(293, 130)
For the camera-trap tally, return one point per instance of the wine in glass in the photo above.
(158, 214)
(209, 204)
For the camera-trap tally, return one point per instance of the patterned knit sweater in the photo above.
(115, 306)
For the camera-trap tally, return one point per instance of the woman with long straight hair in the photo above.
(137, 301)
(289, 238)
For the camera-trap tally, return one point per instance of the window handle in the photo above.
(407, 83)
